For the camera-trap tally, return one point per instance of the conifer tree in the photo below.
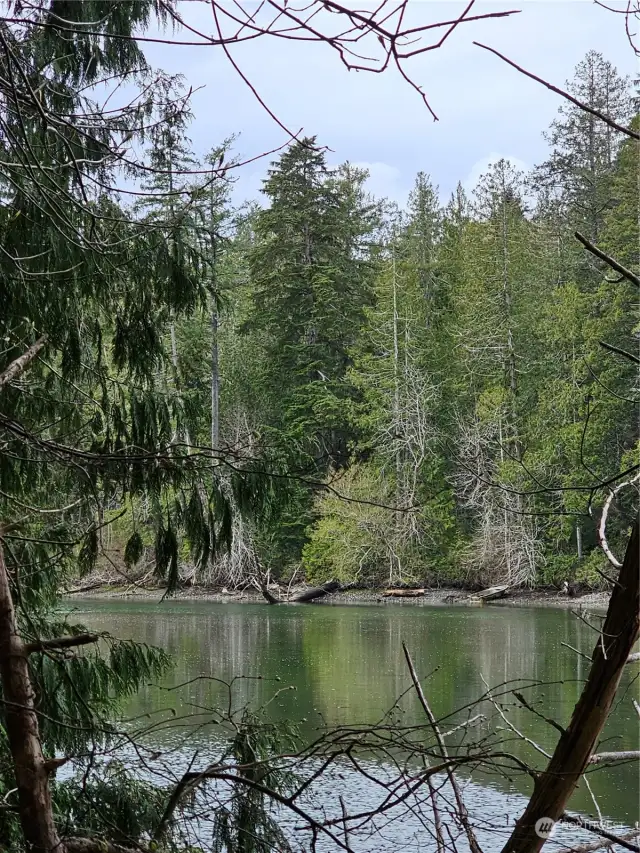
(492, 305)
(311, 280)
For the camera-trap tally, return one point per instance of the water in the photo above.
(346, 665)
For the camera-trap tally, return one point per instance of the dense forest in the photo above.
(322, 385)
(424, 387)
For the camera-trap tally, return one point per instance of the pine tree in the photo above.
(399, 367)
(311, 278)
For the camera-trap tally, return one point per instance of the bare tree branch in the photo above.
(600, 844)
(614, 124)
(599, 830)
(461, 808)
(610, 757)
(616, 265)
(622, 352)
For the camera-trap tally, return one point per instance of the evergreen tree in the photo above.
(399, 365)
(311, 280)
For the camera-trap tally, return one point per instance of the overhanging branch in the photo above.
(61, 643)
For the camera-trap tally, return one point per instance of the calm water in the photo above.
(346, 665)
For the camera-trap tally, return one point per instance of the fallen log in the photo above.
(304, 597)
(403, 593)
(491, 593)
(318, 592)
(89, 586)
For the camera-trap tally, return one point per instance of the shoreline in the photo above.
(438, 596)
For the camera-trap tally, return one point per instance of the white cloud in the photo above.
(484, 163)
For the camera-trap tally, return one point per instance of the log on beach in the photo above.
(403, 593)
(491, 593)
(304, 597)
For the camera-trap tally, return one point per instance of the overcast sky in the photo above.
(485, 108)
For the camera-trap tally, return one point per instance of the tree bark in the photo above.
(492, 593)
(578, 743)
(18, 366)
(32, 776)
(215, 360)
(215, 379)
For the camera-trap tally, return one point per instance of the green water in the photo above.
(346, 665)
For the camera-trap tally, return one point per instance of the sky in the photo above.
(486, 109)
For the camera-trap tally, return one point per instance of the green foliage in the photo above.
(80, 694)
(113, 805)
(310, 274)
(133, 550)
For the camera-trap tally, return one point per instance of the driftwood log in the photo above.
(492, 593)
(403, 593)
(304, 597)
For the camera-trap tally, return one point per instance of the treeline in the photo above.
(422, 392)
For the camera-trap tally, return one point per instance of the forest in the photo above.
(322, 386)
(425, 385)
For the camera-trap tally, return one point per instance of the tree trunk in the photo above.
(215, 379)
(215, 321)
(579, 541)
(573, 752)
(32, 776)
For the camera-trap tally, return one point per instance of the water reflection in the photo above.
(346, 665)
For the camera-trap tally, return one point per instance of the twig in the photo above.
(622, 352)
(462, 809)
(529, 707)
(510, 725)
(436, 817)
